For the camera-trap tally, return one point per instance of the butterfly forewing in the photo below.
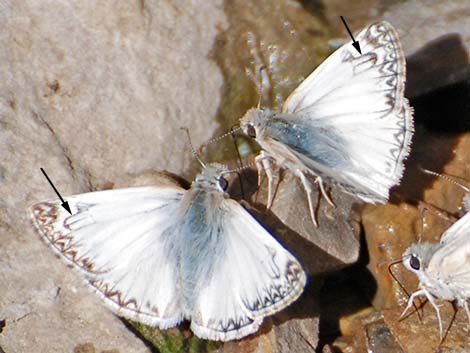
(357, 124)
(121, 241)
(451, 263)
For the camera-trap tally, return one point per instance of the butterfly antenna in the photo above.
(260, 87)
(192, 148)
(396, 262)
(422, 214)
(235, 128)
(240, 160)
(446, 177)
(239, 169)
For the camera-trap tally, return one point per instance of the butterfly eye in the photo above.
(250, 131)
(414, 263)
(223, 183)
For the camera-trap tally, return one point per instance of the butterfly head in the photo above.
(212, 176)
(254, 121)
(417, 257)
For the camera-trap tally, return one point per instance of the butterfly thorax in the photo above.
(256, 124)
(436, 286)
(200, 234)
(201, 203)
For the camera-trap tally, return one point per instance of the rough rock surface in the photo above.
(436, 40)
(333, 245)
(92, 93)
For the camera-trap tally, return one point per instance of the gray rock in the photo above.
(91, 93)
(378, 336)
(434, 35)
(332, 245)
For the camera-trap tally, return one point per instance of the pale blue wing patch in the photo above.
(321, 145)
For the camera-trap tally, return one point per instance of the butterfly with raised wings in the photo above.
(348, 122)
(162, 254)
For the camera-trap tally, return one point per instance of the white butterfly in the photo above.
(159, 255)
(443, 269)
(435, 273)
(348, 121)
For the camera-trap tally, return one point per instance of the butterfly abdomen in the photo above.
(200, 239)
(318, 144)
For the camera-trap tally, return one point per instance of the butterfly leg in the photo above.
(308, 189)
(430, 298)
(465, 305)
(436, 308)
(263, 163)
(259, 165)
(410, 301)
(319, 181)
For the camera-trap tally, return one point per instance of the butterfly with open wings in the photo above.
(158, 255)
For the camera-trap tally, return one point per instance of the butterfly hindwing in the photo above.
(254, 277)
(451, 263)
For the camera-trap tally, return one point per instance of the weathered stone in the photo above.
(422, 335)
(332, 245)
(93, 93)
(434, 35)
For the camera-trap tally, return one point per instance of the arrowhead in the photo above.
(65, 205)
(357, 46)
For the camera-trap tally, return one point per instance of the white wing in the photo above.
(459, 232)
(466, 202)
(120, 241)
(254, 276)
(451, 263)
(360, 101)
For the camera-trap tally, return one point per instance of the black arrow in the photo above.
(64, 203)
(354, 43)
